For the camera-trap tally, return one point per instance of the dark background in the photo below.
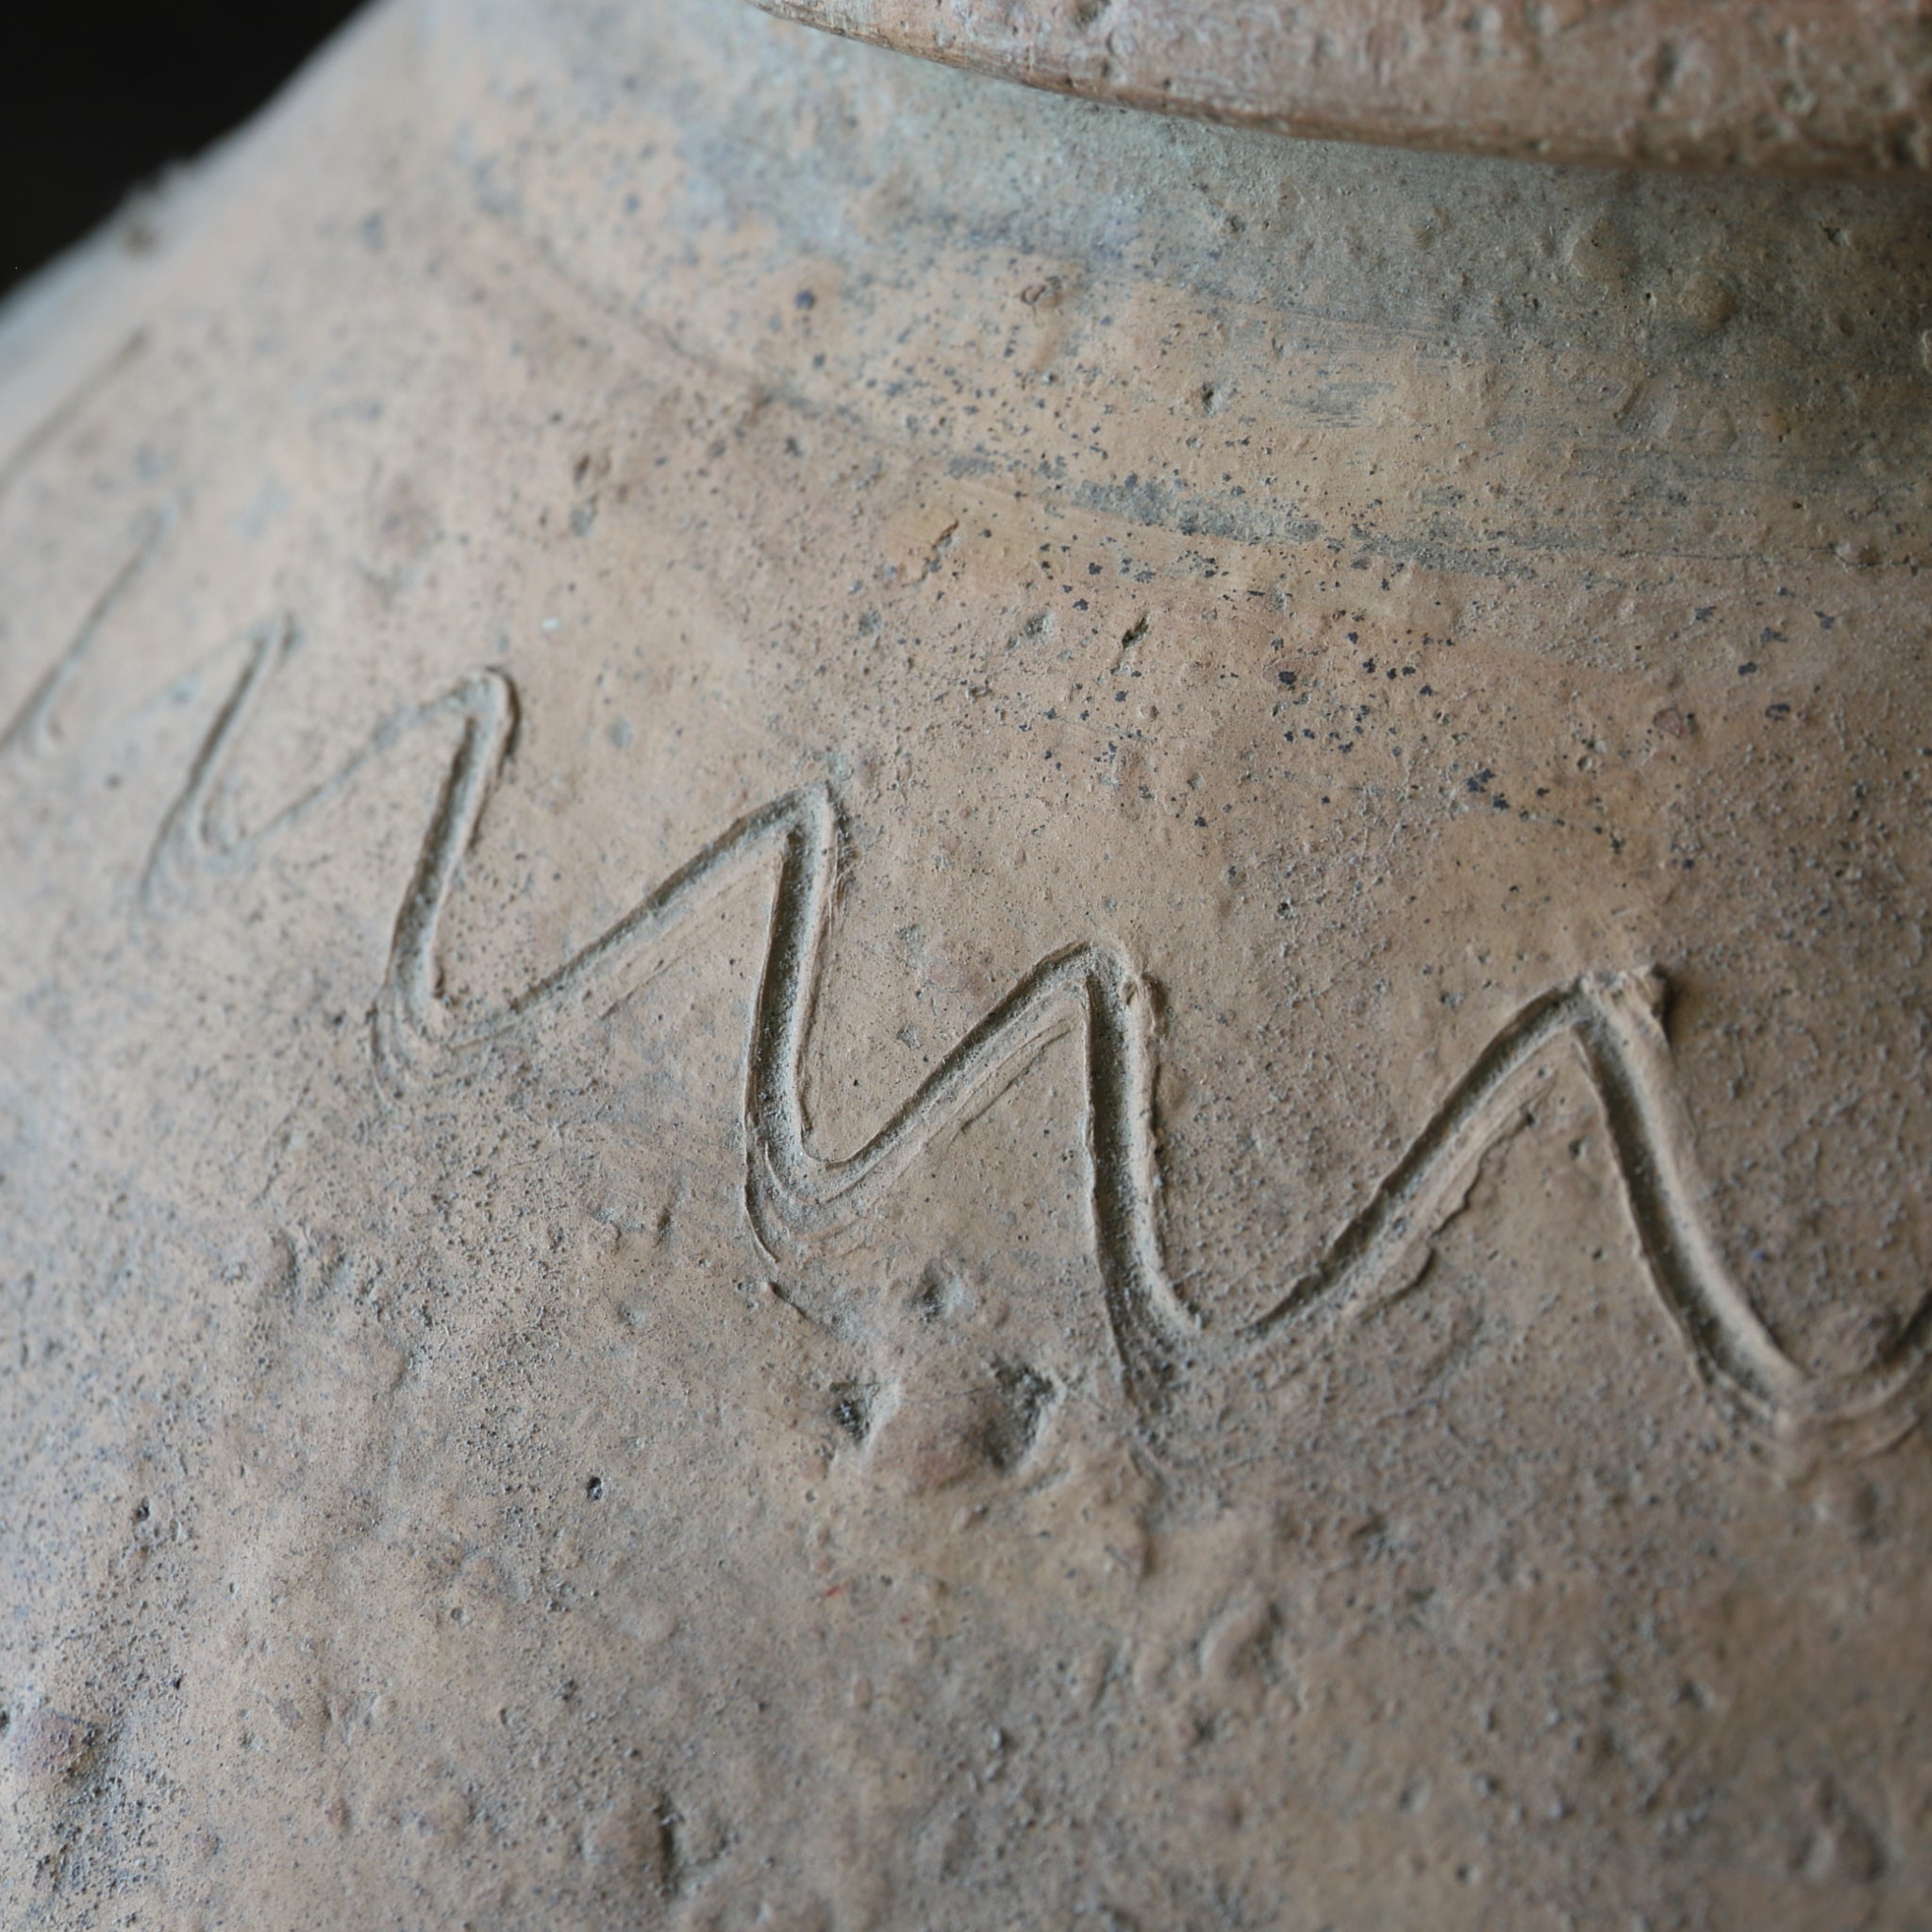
(97, 97)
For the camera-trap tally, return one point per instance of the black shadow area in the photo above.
(96, 98)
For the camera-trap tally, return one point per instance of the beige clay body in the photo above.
(927, 1008)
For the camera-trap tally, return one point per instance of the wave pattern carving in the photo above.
(794, 1192)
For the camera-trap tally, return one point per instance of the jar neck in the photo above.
(1232, 339)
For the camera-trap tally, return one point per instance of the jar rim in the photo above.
(1771, 86)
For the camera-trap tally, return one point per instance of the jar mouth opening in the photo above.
(1769, 86)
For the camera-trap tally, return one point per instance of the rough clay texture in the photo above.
(1786, 85)
(834, 1089)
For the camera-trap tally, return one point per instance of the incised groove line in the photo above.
(30, 729)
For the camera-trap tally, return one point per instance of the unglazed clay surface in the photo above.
(1787, 85)
(919, 1009)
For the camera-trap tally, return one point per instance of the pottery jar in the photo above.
(925, 1007)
